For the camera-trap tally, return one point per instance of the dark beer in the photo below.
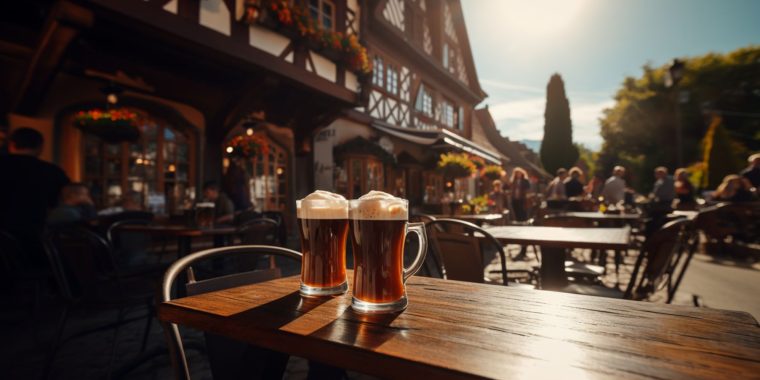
(204, 215)
(378, 248)
(323, 244)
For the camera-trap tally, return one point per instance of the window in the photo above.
(391, 83)
(269, 176)
(447, 114)
(322, 12)
(424, 102)
(377, 72)
(359, 175)
(155, 167)
(460, 119)
(445, 55)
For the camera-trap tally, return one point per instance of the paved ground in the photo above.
(726, 284)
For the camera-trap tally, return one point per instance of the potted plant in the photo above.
(491, 172)
(247, 146)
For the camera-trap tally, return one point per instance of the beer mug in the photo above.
(323, 229)
(378, 228)
(204, 214)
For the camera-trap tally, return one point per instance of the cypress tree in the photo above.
(557, 149)
(722, 155)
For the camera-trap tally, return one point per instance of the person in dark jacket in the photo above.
(30, 189)
(573, 184)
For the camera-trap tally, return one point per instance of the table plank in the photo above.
(455, 330)
(563, 237)
(601, 216)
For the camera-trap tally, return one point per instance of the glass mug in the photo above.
(204, 214)
(323, 230)
(378, 229)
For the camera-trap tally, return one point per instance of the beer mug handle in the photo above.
(419, 229)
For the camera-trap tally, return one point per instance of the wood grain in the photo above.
(600, 216)
(563, 237)
(178, 230)
(464, 330)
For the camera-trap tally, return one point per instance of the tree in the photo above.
(557, 149)
(639, 130)
(722, 155)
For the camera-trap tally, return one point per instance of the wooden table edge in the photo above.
(386, 366)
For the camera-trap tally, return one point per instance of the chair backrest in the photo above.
(461, 250)
(662, 251)
(260, 231)
(114, 235)
(422, 218)
(80, 259)
(564, 221)
(174, 339)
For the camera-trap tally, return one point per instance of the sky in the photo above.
(594, 44)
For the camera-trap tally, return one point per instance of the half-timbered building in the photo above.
(423, 92)
(196, 74)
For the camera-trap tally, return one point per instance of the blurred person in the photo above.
(556, 188)
(128, 202)
(684, 189)
(497, 196)
(236, 185)
(752, 172)
(30, 188)
(663, 190)
(734, 188)
(614, 188)
(519, 194)
(573, 184)
(595, 186)
(75, 206)
(224, 209)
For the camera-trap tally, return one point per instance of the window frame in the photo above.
(321, 14)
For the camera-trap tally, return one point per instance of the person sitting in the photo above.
(75, 206)
(752, 172)
(224, 210)
(684, 190)
(128, 202)
(663, 191)
(614, 187)
(556, 189)
(497, 196)
(734, 188)
(573, 184)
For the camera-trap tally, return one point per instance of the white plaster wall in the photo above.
(215, 15)
(352, 83)
(267, 40)
(171, 6)
(340, 131)
(324, 67)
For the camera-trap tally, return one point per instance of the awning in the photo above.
(438, 138)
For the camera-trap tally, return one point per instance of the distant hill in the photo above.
(534, 145)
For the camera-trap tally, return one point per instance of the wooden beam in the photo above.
(62, 26)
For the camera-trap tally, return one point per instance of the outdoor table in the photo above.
(554, 241)
(478, 219)
(456, 330)
(602, 217)
(183, 234)
(688, 214)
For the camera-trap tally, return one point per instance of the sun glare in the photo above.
(539, 18)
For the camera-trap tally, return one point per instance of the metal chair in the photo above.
(173, 337)
(461, 251)
(663, 251)
(87, 277)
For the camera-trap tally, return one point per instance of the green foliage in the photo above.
(557, 149)
(587, 160)
(479, 204)
(456, 165)
(639, 130)
(491, 172)
(721, 155)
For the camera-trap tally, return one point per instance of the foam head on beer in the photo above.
(322, 205)
(377, 205)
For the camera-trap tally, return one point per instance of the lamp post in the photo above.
(673, 76)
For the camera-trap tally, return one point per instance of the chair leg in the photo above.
(148, 324)
(115, 343)
(54, 349)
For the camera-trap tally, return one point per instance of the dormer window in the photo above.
(322, 13)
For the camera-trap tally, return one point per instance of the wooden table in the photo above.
(478, 219)
(598, 216)
(455, 330)
(554, 241)
(688, 214)
(183, 234)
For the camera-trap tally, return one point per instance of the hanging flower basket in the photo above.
(294, 19)
(491, 172)
(113, 126)
(247, 146)
(479, 162)
(456, 165)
